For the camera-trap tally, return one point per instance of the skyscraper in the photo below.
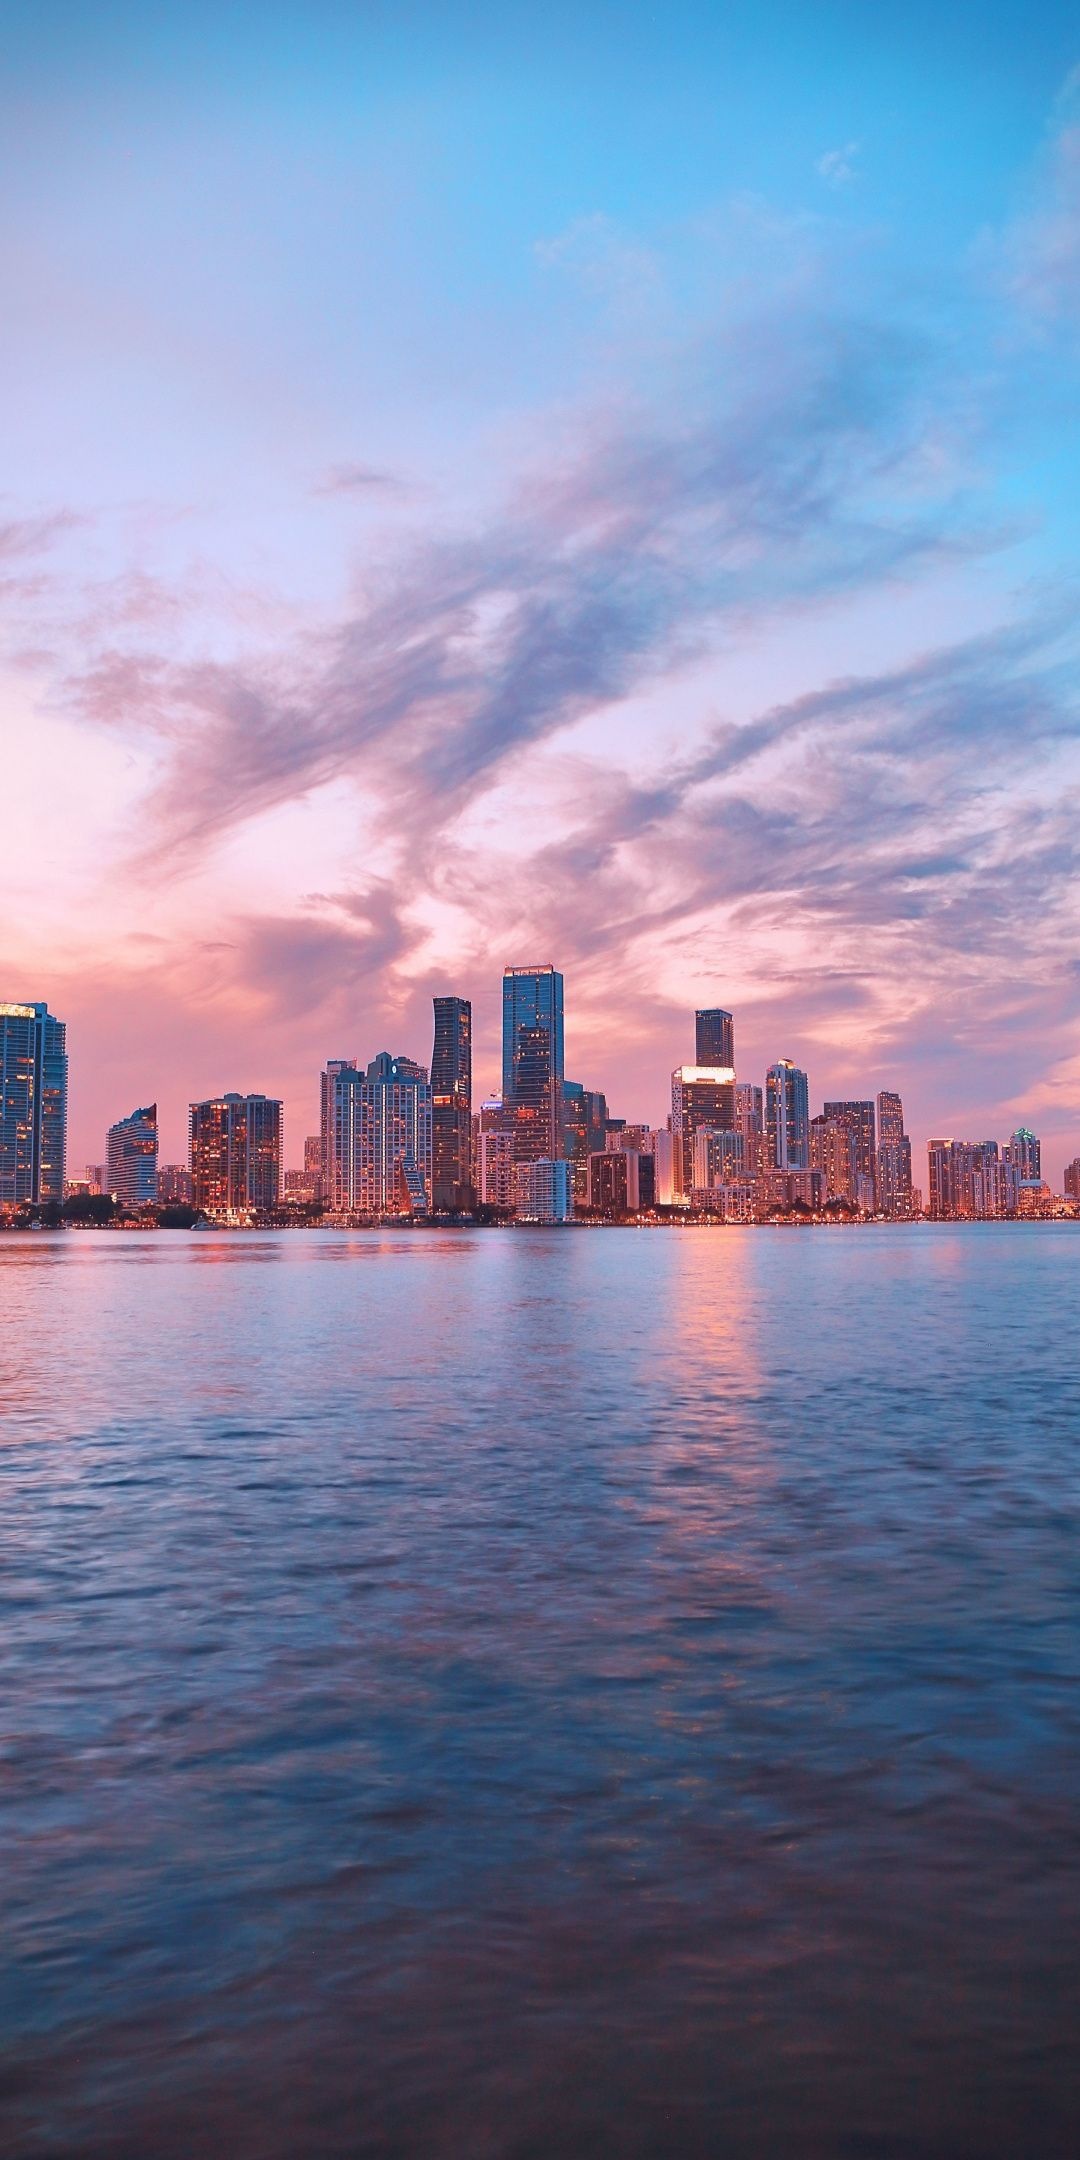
(131, 1150)
(532, 1061)
(378, 1126)
(451, 1105)
(894, 1193)
(714, 1031)
(857, 1119)
(33, 1105)
(234, 1147)
(787, 1115)
(702, 1098)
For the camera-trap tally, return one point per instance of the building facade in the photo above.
(234, 1154)
(714, 1037)
(533, 1070)
(378, 1127)
(787, 1116)
(451, 1106)
(702, 1099)
(131, 1164)
(33, 1106)
(542, 1191)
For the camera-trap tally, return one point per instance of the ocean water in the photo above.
(540, 1694)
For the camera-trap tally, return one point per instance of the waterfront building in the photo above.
(33, 1105)
(1023, 1153)
(714, 1037)
(621, 1181)
(542, 1190)
(577, 1127)
(451, 1106)
(702, 1099)
(378, 1126)
(859, 1120)
(895, 1196)
(664, 1161)
(965, 1180)
(131, 1150)
(234, 1154)
(787, 1116)
(173, 1184)
(495, 1167)
(832, 1152)
(533, 1061)
(1072, 1180)
(313, 1164)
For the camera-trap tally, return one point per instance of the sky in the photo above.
(495, 484)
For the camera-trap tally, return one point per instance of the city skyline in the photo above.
(661, 553)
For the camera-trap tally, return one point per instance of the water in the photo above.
(540, 1694)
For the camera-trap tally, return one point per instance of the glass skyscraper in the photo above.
(33, 1105)
(451, 1105)
(787, 1115)
(533, 1061)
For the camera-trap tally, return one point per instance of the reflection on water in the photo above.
(535, 1694)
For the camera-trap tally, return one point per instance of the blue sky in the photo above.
(598, 483)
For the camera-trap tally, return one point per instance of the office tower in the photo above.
(174, 1184)
(702, 1096)
(832, 1152)
(858, 1119)
(1072, 1181)
(542, 1191)
(1024, 1154)
(894, 1190)
(714, 1032)
(378, 1126)
(532, 1061)
(33, 1105)
(495, 1167)
(451, 1106)
(131, 1149)
(787, 1116)
(965, 1180)
(234, 1152)
(719, 1159)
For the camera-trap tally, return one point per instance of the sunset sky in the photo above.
(588, 483)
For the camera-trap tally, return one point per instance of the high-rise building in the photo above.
(542, 1191)
(714, 1033)
(787, 1115)
(533, 1061)
(451, 1106)
(378, 1126)
(131, 1150)
(832, 1151)
(965, 1180)
(495, 1176)
(1023, 1152)
(702, 1098)
(33, 1105)
(895, 1197)
(858, 1119)
(234, 1153)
